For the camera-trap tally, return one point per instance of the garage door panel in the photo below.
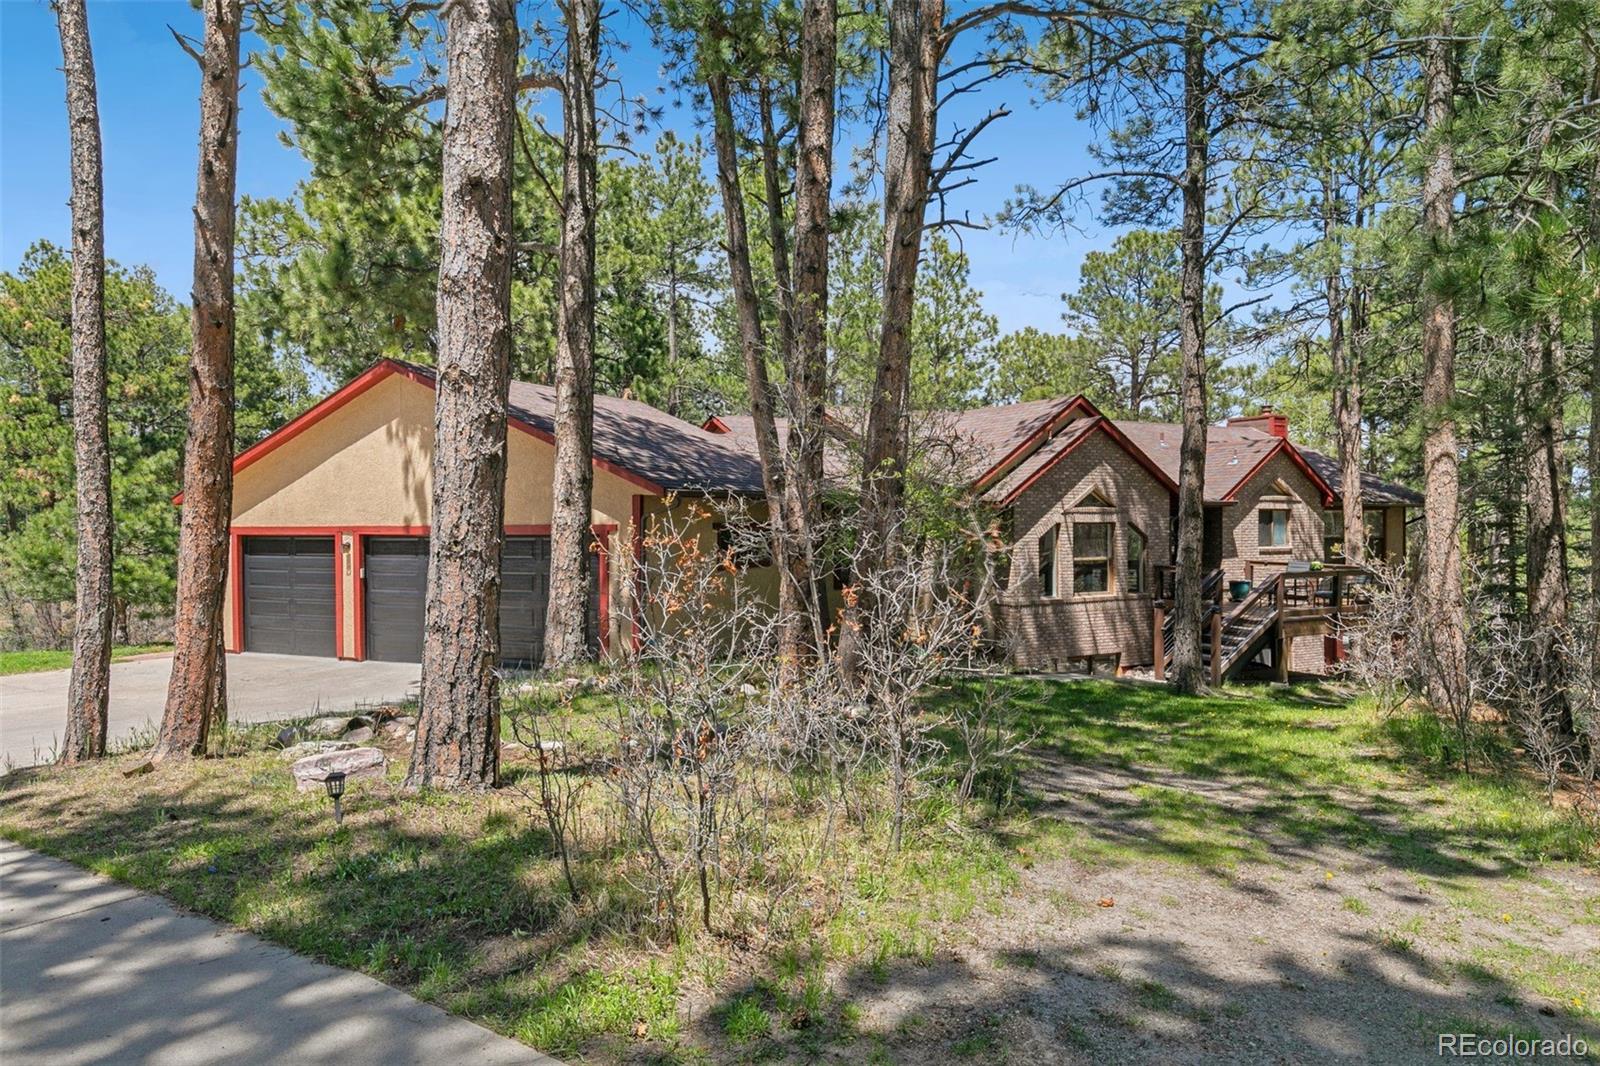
(396, 589)
(288, 586)
(396, 592)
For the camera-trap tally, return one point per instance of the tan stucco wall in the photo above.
(369, 464)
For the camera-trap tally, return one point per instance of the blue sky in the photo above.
(149, 112)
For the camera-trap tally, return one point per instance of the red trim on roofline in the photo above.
(1101, 423)
(1079, 402)
(1283, 445)
(359, 384)
(715, 425)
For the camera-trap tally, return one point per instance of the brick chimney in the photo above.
(1267, 421)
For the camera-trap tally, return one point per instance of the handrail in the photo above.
(1249, 611)
(1210, 594)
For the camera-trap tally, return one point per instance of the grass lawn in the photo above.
(460, 899)
(32, 662)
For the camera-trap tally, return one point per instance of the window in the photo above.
(1377, 541)
(746, 546)
(1093, 498)
(1091, 556)
(1047, 561)
(1135, 560)
(1273, 527)
(1333, 535)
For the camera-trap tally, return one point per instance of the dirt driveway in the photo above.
(261, 688)
(1306, 951)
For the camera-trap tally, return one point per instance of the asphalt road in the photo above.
(96, 972)
(261, 688)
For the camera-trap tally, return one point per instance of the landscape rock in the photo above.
(399, 725)
(360, 735)
(313, 747)
(288, 736)
(310, 772)
(327, 728)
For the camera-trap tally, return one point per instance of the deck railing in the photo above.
(1287, 592)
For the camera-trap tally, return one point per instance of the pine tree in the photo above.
(573, 488)
(458, 728)
(197, 692)
(90, 688)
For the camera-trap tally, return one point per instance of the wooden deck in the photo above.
(1288, 602)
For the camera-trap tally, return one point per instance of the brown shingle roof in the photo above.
(1232, 452)
(645, 441)
(835, 460)
(1375, 491)
(995, 432)
(1019, 476)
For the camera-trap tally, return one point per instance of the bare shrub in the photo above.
(1383, 657)
(681, 771)
(989, 736)
(541, 718)
(916, 625)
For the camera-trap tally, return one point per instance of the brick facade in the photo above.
(1043, 631)
(1279, 484)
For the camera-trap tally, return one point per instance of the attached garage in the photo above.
(331, 517)
(288, 585)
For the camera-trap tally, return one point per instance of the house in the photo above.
(328, 543)
(328, 549)
(1090, 502)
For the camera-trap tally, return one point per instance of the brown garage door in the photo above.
(288, 595)
(397, 588)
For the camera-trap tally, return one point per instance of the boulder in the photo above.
(327, 728)
(288, 735)
(396, 728)
(359, 735)
(313, 747)
(310, 772)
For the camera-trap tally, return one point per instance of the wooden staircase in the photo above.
(1231, 636)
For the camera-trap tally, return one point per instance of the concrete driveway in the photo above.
(96, 972)
(261, 688)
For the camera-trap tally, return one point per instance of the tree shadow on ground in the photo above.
(1131, 996)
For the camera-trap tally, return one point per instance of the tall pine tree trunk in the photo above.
(752, 339)
(910, 119)
(196, 695)
(90, 689)
(1443, 600)
(1346, 384)
(458, 729)
(1594, 428)
(813, 190)
(574, 471)
(794, 570)
(1187, 667)
(1547, 579)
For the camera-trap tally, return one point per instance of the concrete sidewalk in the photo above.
(93, 972)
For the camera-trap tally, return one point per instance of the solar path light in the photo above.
(334, 783)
